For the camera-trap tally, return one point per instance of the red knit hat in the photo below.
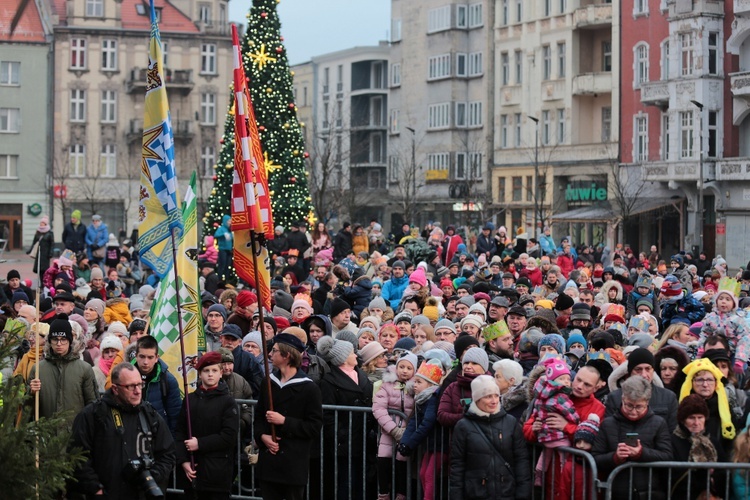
(614, 317)
(246, 298)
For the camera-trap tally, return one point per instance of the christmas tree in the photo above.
(270, 83)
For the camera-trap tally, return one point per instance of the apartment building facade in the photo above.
(101, 51)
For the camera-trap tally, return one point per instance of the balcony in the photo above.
(215, 27)
(182, 130)
(740, 84)
(655, 94)
(178, 80)
(510, 96)
(593, 16)
(678, 171)
(553, 90)
(734, 169)
(592, 84)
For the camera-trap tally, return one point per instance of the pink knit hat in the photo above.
(418, 276)
(556, 368)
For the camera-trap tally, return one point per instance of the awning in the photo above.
(603, 212)
(643, 205)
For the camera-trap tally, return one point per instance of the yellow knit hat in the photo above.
(703, 364)
(431, 310)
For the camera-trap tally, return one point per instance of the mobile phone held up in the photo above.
(631, 439)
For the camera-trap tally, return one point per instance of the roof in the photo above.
(172, 19)
(29, 28)
(602, 212)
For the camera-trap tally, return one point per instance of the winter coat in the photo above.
(44, 253)
(211, 254)
(74, 237)
(223, 235)
(663, 403)
(314, 366)
(358, 295)
(634, 297)
(393, 290)
(360, 244)
(298, 240)
(565, 263)
(299, 400)
(342, 245)
(392, 395)
(278, 246)
(455, 400)
(734, 327)
(68, 382)
(485, 245)
(489, 458)
(248, 368)
(603, 296)
(698, 478)
(96, 237)
(584, 407)
(240, 389)
(514, 401)
(553, 398)
(338, 389)
(94, 431)
(547, 243)
(423, 424)
(216, 424)
(534, 275)
(166, 405)
(687, 307)
(8, 291)
(571, 476)
(656, 441)
(117, 309)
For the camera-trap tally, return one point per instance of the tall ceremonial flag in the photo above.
(251, 203)
(159, 208)
(164, 327)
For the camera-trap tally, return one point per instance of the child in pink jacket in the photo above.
(394, 394)
(211, 254)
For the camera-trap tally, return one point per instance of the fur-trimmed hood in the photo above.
(531, 381)
(620, 373)
(516, 395)
(603, 296)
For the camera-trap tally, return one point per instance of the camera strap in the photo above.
(143, 423)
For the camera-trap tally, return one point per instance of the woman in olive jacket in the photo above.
(489, 457)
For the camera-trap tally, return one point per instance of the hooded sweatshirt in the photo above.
(223, 234)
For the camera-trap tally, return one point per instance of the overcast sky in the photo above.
(314, 27)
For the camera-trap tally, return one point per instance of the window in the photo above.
(560, 126)
(439, 67)
(461, 21)
(475, 114)
(686, 134)
(460, 64)
(77, 53)
(475, 64)
(713, 134)
(94, 8)
(460, 114)
(304, 96)
(475, 15)
(475, 165)
(326, 79)
(563, 6)
(374, 179)
(339, 114)
(504, 12)
(326, 123)
(529, 188)
(208, 109)
(686, 54)
(501, 189)
(607, 56)
(208, 58)
(10, 72)
(561, 60)
(517, 135)
(164, 51)
(438, 116)
(437, 161)
(394, 124)
(109, 106)
(339, 78)
(8, 166)
(546, 127)
(395, 74)
(517, 189)
(505, 71)
(204, 13)
(208, 160)
(665, 137)
(640, 7)
(713, 53)
(395, 30)
(516, 217)
(640, 154)
(108, 161)
(439, 19)
(546, 62)
(547, 8)
(606, 123)
(77, 105)
(641, 65)
(518, 60)
(109, 55)
(504, 131)
(665, 59)
(10, 120)
(459, 169)
(519, 10)
(77, 160)
(393, 169)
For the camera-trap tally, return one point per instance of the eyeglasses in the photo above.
(132, 387)
(632, 407)
(275, 350)
(704, 381)
(58, 340)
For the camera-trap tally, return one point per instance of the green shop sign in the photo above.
(585, 191)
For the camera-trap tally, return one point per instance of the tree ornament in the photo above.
(269, 90)
(286, 126)
(214, 178)
(291, 105)
(293, 180)
(261, 128)
(306, 155)
(221, 141)
(261, 58)
(264, 15)
(216, 224)
(295, 152)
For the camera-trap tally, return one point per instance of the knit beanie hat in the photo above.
(96, 273)
(641, 340)
(468, 301)
(576, 338)
(367, 331)
(472, 319)
(529, 341)
(476, 355)
(564, 302)
(555, 368)
(19, 295)
(333, 350)
(438, 355)
(246, 298)
(118, 327)
(302, 304)
(462, 343)
(557, 342)
(348, 336)
(377, 303)
(219, 308)
(495, 331)
(226, 355)
(644, 302)
(375, 323)
(405, 344)
(431, 371)
(587, 430)
(60, 328)
(409, 357)
(420, 319)
(418, 277)
(445, 323)
(478, 307)
(110, 342)
(430, 310)
(404, 316)
(691, 405)
(639, 357)
(337, 306)
(446, 347)
(253, 336)
(136, 325)
(545, 304)
(671, 287)
(482, 386)
(371, 351)
(727, 427)
(581, 311)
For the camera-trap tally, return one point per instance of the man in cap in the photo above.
(580, 319)
(498, 309)
(65, 382)
(97, 235)
(74, 233)
(516, 321)
(14, 285)
(215, 319)
(245, 364)
(486, 243)
(211, 280)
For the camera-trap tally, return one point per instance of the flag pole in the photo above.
(266, 369)
(182, 341)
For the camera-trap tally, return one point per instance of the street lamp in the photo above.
(413, 177)
(699, 205)
(536, 172)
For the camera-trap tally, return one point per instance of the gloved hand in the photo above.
(739, 367)
(397, 433)
(404, 450)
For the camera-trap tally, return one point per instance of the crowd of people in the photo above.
(470, 350)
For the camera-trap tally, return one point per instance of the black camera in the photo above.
(141, 471)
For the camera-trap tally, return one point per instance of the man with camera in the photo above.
(130, 451)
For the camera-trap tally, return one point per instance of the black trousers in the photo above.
(279, 491)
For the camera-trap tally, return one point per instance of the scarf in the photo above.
(105, 365)
(422, 397)
(701, 447)
(350, 372)
(46, 227)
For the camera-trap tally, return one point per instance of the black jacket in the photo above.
(299, 400)
(94, 431)
(278, 245)
(298, 240)
(655, 439)
(216, 424)
(663, 403)
(74, 238)
(485, 245)
(494, 466)
(248, 368)
(338, 389)
(44, 254)
(342, 245)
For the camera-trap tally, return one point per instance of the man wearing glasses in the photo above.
(125, 440)
(65, 382)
